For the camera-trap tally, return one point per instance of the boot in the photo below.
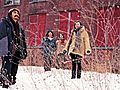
(5, 84)
(79, 71)
(79, 75)
(73, 75)
(1, 80)
(14, 80)
(73, 69)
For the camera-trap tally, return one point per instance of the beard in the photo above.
(16, 19)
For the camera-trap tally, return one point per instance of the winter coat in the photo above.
(60, 45)
(48, 46)
(6, 30)
(84, 43)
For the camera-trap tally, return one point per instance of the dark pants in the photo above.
(14, 67)
(76, 65)
(6, 70)
(10, 66)
(59, 60)
(47, 63)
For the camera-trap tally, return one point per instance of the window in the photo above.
(11, 2)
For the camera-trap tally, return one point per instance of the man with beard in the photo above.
(9, 27)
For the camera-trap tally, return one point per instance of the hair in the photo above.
(48, 33)
(77, 22)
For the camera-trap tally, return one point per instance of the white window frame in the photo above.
(13, 2)
(35, 1)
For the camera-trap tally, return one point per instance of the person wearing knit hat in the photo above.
(14, 9)
(14, 37)
(14, 13)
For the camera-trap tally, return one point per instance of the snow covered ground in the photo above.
(34, 78)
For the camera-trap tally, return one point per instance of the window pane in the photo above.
(16, 2)
(11, 2)
(8, 2)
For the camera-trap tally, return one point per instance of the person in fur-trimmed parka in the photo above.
(77, 45)
(12, 38)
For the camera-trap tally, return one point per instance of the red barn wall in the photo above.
(55, 14)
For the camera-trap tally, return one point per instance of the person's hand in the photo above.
(88, 52)
(64, 52)
(25, 52)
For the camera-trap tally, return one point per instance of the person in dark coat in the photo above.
(15, 38)
(48, 47)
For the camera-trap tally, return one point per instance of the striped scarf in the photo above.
(77, 38)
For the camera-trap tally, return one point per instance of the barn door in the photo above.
(67, 20)
(36, 29)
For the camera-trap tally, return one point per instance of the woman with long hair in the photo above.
(77, 45)
(48, 47)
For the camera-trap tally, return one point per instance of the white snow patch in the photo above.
(34, 78)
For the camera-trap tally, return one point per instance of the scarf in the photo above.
(77, 38)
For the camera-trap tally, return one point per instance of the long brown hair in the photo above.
(77, 22)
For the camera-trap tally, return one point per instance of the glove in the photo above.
(88, 51)
(64, 52)
(25, 52)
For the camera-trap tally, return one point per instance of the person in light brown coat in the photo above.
(77, 45)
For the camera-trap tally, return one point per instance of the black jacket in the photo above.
(48, 46)
(7, 30)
